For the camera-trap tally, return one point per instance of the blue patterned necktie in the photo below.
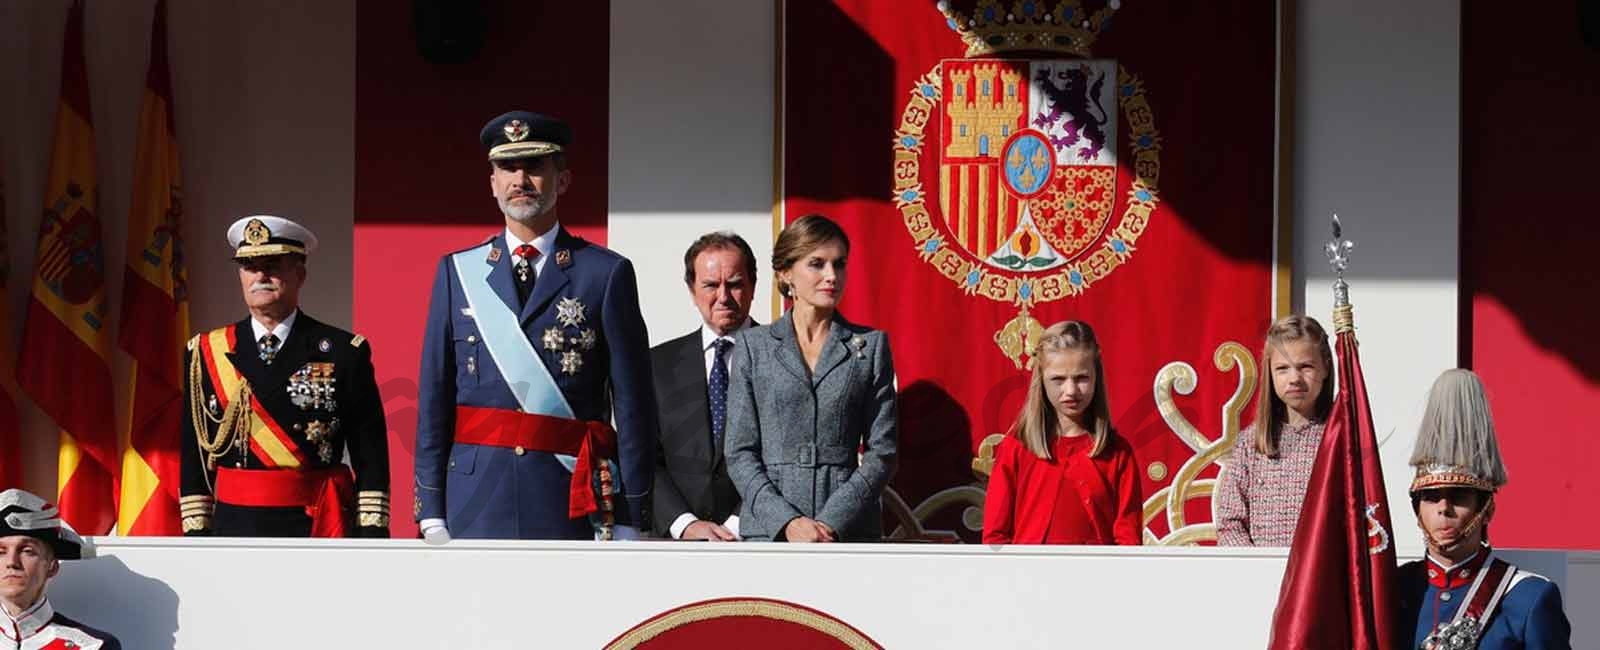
(269, 348)
(719, 391)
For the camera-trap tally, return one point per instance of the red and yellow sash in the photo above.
(267, 439)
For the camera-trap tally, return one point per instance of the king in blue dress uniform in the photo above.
(1461, 596)
(534, 345)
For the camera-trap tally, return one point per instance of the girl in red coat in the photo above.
(1063, 475)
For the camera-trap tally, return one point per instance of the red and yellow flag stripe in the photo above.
(155, 311)
(66, 346)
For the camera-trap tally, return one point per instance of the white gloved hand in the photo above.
(623, 533)
(434, 531)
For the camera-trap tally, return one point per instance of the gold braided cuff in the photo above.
(196, 511)
(372, 508)
(196, 506)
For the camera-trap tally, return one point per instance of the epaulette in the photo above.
(357, 340)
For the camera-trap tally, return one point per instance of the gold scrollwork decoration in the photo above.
(1185, 486)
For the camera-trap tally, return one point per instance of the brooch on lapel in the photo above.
(860, 345)
(569, 343)
(312, 387)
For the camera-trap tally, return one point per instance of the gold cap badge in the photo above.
(256, 233)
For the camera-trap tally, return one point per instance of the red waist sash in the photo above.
(322, 492)
(590, 441)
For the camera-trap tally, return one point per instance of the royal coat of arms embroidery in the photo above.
(1026, 200)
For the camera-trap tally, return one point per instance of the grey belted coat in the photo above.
(793, 434)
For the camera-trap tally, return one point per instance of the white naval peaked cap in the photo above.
(262, 235)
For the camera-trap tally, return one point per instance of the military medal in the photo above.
(312, 387)
(552, 339)
(321, 435)
(569, 312)
(571, 362)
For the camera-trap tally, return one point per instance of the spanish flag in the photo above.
(155, 310)
(10, 418)
(65, 342)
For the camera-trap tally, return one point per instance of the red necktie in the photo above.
(524, 267)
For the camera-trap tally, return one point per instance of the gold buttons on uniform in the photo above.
(519, 451)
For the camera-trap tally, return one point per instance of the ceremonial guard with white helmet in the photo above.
(274, 403)
(33, 541)
(1461, 595)
(533, 346)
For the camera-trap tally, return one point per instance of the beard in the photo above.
(536, 205)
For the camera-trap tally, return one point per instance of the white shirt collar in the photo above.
(709, 336)
(281, 331)
(32, 620)
(543, 243)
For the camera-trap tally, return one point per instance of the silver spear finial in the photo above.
(1338, 250)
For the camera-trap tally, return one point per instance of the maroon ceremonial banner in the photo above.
(1001, 166)
(1337, 590)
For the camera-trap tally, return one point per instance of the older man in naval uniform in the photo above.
(534, 345)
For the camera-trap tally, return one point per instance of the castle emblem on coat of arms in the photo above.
(1010, 174)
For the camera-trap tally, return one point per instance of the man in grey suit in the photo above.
(694, 499)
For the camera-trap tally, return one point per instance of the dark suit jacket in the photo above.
(690, 476)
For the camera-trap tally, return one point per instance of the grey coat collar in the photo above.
(834, 353)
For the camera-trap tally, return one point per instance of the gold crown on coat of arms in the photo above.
(1028, 25)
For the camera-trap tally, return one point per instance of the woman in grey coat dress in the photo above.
(805, 393)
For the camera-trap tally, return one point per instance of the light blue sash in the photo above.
(509, 348)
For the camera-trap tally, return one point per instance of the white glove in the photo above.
(622, 533)
(434, 531)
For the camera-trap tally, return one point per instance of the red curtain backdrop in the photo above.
(422, 179)
(1199, 274)
(1529, 236)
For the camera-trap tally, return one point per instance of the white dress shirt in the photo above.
(543, 243)
(281, 331)
(708, 339)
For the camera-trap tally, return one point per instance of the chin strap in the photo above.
(1477, 521)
